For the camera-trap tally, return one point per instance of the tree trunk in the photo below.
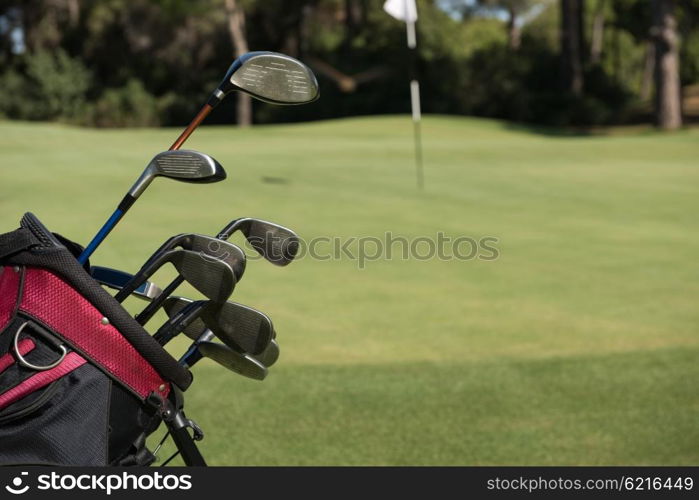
(648, 69)
(236, 29)
(598, 33)
(571, 46)
(73, 12)
(514, 34)
(668, 100)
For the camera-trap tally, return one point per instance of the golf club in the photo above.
(268, 76)
(277, 244)
(234, 336)
(212, 277)
(240, 363)
(208, 247)
(116, 280)
(183, 166)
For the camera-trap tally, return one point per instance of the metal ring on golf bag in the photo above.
(31, 366)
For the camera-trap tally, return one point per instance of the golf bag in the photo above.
(81, 382)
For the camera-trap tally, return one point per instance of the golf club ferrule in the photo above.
(216, 98)
(127, 202)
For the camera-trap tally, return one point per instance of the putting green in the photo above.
(577, 345)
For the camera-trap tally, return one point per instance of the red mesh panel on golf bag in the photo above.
(9, 287)
(55, 303)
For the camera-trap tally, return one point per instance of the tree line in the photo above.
(152, 62)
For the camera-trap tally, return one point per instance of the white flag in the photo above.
(403, 10)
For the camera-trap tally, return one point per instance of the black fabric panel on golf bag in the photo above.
(64, 423)
(67, 395)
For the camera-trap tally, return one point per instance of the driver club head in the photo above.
(180, 165)
(270, 77)
(277, 244)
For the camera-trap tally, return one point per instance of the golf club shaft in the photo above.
(190, 357)
(149, 311)
(118, 214)
(203, 113)
(193, 355)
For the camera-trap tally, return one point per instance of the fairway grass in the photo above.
(577, 345)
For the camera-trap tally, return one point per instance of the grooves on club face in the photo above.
(277, 244)
(242, 327)
(212, 278)
(271, 77)
(231, 336)
(239, 363)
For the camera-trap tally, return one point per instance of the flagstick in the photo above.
(415, 98)
(415, 103)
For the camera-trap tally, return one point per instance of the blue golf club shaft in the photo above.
(118, 214)
(100, 236)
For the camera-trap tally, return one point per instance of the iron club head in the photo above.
(277, 244)
(208, 247)
(213, 278)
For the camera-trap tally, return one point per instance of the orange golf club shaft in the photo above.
(203, 113)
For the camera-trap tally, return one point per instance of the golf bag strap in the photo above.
(17, 241)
